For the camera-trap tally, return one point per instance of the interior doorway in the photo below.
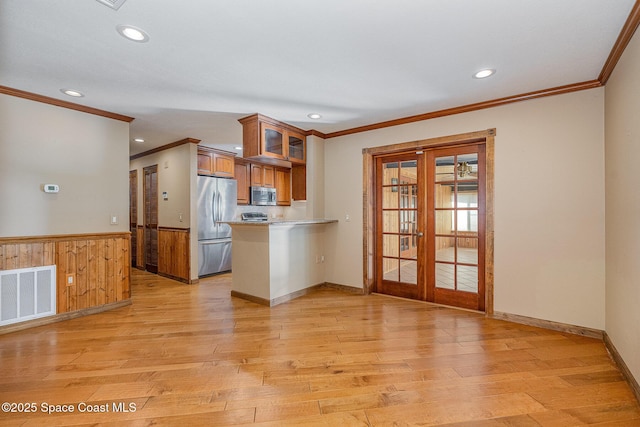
(133, 215)
(151, 218)
(430, 207)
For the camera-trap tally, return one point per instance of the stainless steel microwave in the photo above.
(263, 196)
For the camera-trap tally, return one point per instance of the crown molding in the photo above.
(64, 104)
(470, 107)
(629, 28)
(165, 147)
(313, 132)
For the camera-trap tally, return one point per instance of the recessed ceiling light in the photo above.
(133, 33)
(314, 116)
(138, 140)
(71, 92)
(238, 148)
(483, 74)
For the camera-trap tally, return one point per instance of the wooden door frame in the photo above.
(369, 203)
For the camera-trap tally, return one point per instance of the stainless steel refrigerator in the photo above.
(217, 200)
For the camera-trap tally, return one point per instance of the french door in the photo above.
(430, 225)
(400, 219)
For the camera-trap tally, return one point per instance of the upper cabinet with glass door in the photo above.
(264, 137)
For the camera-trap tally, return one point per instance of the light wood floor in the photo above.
(192, 355)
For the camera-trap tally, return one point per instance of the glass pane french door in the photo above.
(400, 215)
(456, 227)
(430, 225)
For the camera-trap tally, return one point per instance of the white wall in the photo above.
(549, 202)
(174, 165)
(622, 154)
(273, 261)
(85, 154)
(315, 177)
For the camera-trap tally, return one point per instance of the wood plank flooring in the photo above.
(192, 355)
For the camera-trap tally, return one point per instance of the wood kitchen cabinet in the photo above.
(242, 175)
(264, 137)
(299, 182)
(249, 173)
(283, 186)
(297, 145)
(215, 162)
(262, 175)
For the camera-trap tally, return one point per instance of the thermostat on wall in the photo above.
(51, 188)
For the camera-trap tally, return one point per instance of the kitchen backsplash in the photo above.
(297, 210)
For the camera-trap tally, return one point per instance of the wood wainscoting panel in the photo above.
(25, 255)
(91, 269)
(173, 253)
(98, 269)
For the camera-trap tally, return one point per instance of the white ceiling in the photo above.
(356, 62)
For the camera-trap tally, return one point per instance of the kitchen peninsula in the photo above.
(276, 261)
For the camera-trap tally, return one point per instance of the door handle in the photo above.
(419, 234)
(218, 206)
(214, 208)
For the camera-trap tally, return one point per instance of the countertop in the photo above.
(283, 222)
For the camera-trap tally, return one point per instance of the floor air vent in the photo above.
(27, 293)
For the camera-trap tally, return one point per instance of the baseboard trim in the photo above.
(626, 372)
(297, 294)
(548, 324)
(176, 278)
(344, 288)
(251, 298)
(62, 316)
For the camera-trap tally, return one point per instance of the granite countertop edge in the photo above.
(283, 222)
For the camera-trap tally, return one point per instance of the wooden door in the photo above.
(133, 215)
(456, 225)
(430, 225)
(400, 257)
(151, 218)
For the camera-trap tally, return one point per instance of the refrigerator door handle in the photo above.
(219, 209)
(214, 206)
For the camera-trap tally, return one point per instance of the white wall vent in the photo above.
(27, 293)
(113, 4)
